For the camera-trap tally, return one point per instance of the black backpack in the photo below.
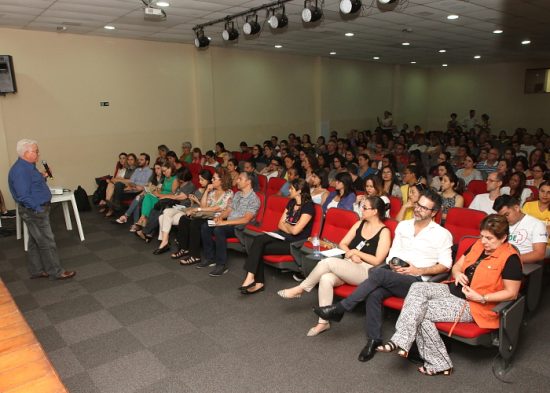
(82, 201)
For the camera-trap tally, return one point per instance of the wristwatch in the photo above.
(199, 209)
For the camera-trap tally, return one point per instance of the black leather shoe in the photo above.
(330, 313)
(162, 250)
(369, 351)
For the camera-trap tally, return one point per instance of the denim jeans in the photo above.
(216, 249)
(42, 254)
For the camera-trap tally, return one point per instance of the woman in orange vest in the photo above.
(488, 273)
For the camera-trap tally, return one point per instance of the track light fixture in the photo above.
(201, 41)
(384, 2)
(279, 19)
(350, 6)
(230, 33)
(311, 13)
(251, 26)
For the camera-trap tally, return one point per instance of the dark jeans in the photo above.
(152, 225)
(119, 194)
(216, 249)
(381, 284)
(189, 235)
(263, 245)
(42, 255)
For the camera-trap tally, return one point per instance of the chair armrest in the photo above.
(529, 269)
(439, 277)
(500, 307)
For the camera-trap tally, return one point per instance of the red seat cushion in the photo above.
(344, 290)
(278, 258)
(463, 329)
(232, 240)
(395, 303)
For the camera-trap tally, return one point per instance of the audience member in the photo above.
(343, 196)
(468, 172)
(451, 194)
(516, 188)
(484, 202)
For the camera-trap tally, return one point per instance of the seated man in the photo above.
(526, 233)
(242, 211)
(423, 245)
(484, 202)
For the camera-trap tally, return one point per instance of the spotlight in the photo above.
(201, 41)
(251, 26)
(350, 6)
(384, 2)
(230, 33)
(279, 20)
(311, 13)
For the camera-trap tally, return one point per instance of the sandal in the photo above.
(189, 261)
(135, 227)
(143, 236)
(422, 370)
(122, 219)
(390, 346)
(181, 252)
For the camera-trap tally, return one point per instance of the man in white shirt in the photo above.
(471, 121)
(484, 202)
(526, 233)
(423, 245)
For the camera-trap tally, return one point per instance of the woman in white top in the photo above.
(442, 169)
(469, 172)
(317, 186)
(516, 188)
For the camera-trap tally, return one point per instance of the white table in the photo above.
(64, 198)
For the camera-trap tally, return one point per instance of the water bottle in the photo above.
(316, 243)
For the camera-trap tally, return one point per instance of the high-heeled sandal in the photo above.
(422, 370)
(181, 252)
(283, 293)
(390, 346)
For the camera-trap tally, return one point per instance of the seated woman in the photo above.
(338, 167)
(537, 170)
(451, 190)
(366, 244)
(292, 174)
(407, 209)
(488, 273)
(318, 183)
(391, 184)
(197, 157)
(469, 172)
(122, 175)
(343, 197)
(233, 171)
(442, 169)
(373, 187)
(120, 171)
(174, 160)
(516, 188)
(210, 157)
(216, 198)
(295, 224)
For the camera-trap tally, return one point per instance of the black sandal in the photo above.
(390, 346)
(422, 370)
(189, 261)
(181, 252)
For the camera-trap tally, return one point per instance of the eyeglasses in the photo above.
(421, 207)
(216, 178)
(365, 207)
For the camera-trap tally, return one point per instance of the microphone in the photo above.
(47, 168)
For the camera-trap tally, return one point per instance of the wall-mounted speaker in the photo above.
(7, 75)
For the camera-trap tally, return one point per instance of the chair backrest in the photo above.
(468, 198)
(391, 224)
(236, 155)
(209, 168)
(463, 245)
(337, 224)
(395, 206)
(535, 193)
(274, 185)
(274, 208)
(477, 187)
(462, 222)
(260, 215)
(317, 221)
(262, 184)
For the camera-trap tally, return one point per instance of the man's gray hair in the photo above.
(24, 145)
(187, 145)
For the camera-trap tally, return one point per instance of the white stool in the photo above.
(64, 198)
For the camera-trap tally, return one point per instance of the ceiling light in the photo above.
(109, 27)
(201, 41)
(413, 62)
(250, 26)
(332, 53)
(442, 50)
(452, 17)
(230, 33)
(163, 4)
(349, 34)
(278, 46)
(376, 58)
(525, 42)
(444, 65)
(405, 43)
(278, 20)
(497, 31)
(477, 57)
(311, 13)
(350, 6)
(384, 2)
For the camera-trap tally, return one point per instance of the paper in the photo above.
(333, 252)
(275, 235)
(211, 223)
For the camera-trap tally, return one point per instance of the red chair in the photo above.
(287, 261)
(262, 184)
(395, 206)
(236, 155)
(274, 208)
(337, 224)
(462, 222)
(477, 187)
(468, 198)
(535, 193)
(210, 169)
(274, 185)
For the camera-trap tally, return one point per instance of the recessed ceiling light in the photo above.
(443, 65)
(349, 34)
(278, 46)
(497, 31)
(452, 17)
(109, 27)
(163, 4)
(442, 50)
(477, 57)
(525, 42)
(376, 58)
(332, 53)
(405, 43)
(413, 62)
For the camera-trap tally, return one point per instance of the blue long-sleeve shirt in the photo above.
(27, 186)
(345, 203)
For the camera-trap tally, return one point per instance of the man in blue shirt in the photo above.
(29, 189)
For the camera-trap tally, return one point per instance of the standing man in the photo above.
(29, 189)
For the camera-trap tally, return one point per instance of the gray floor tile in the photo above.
(138, 310)
(73, 251)
(160, 328)
(105, 348)
(80, 383)
(113, 253)
(26, 302)
(65, 363)
(17, 288)
(72, 308)
(170, 384)
(85, 259)
(50, 339)
(87, 326)
(98, 268)
(183, 296)
(127, 261)
(128, 373)
(143, 271)
(120, 294)
(37, 319)
(161, 283)
(100, 245)
(104, 281)
(58, 293)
